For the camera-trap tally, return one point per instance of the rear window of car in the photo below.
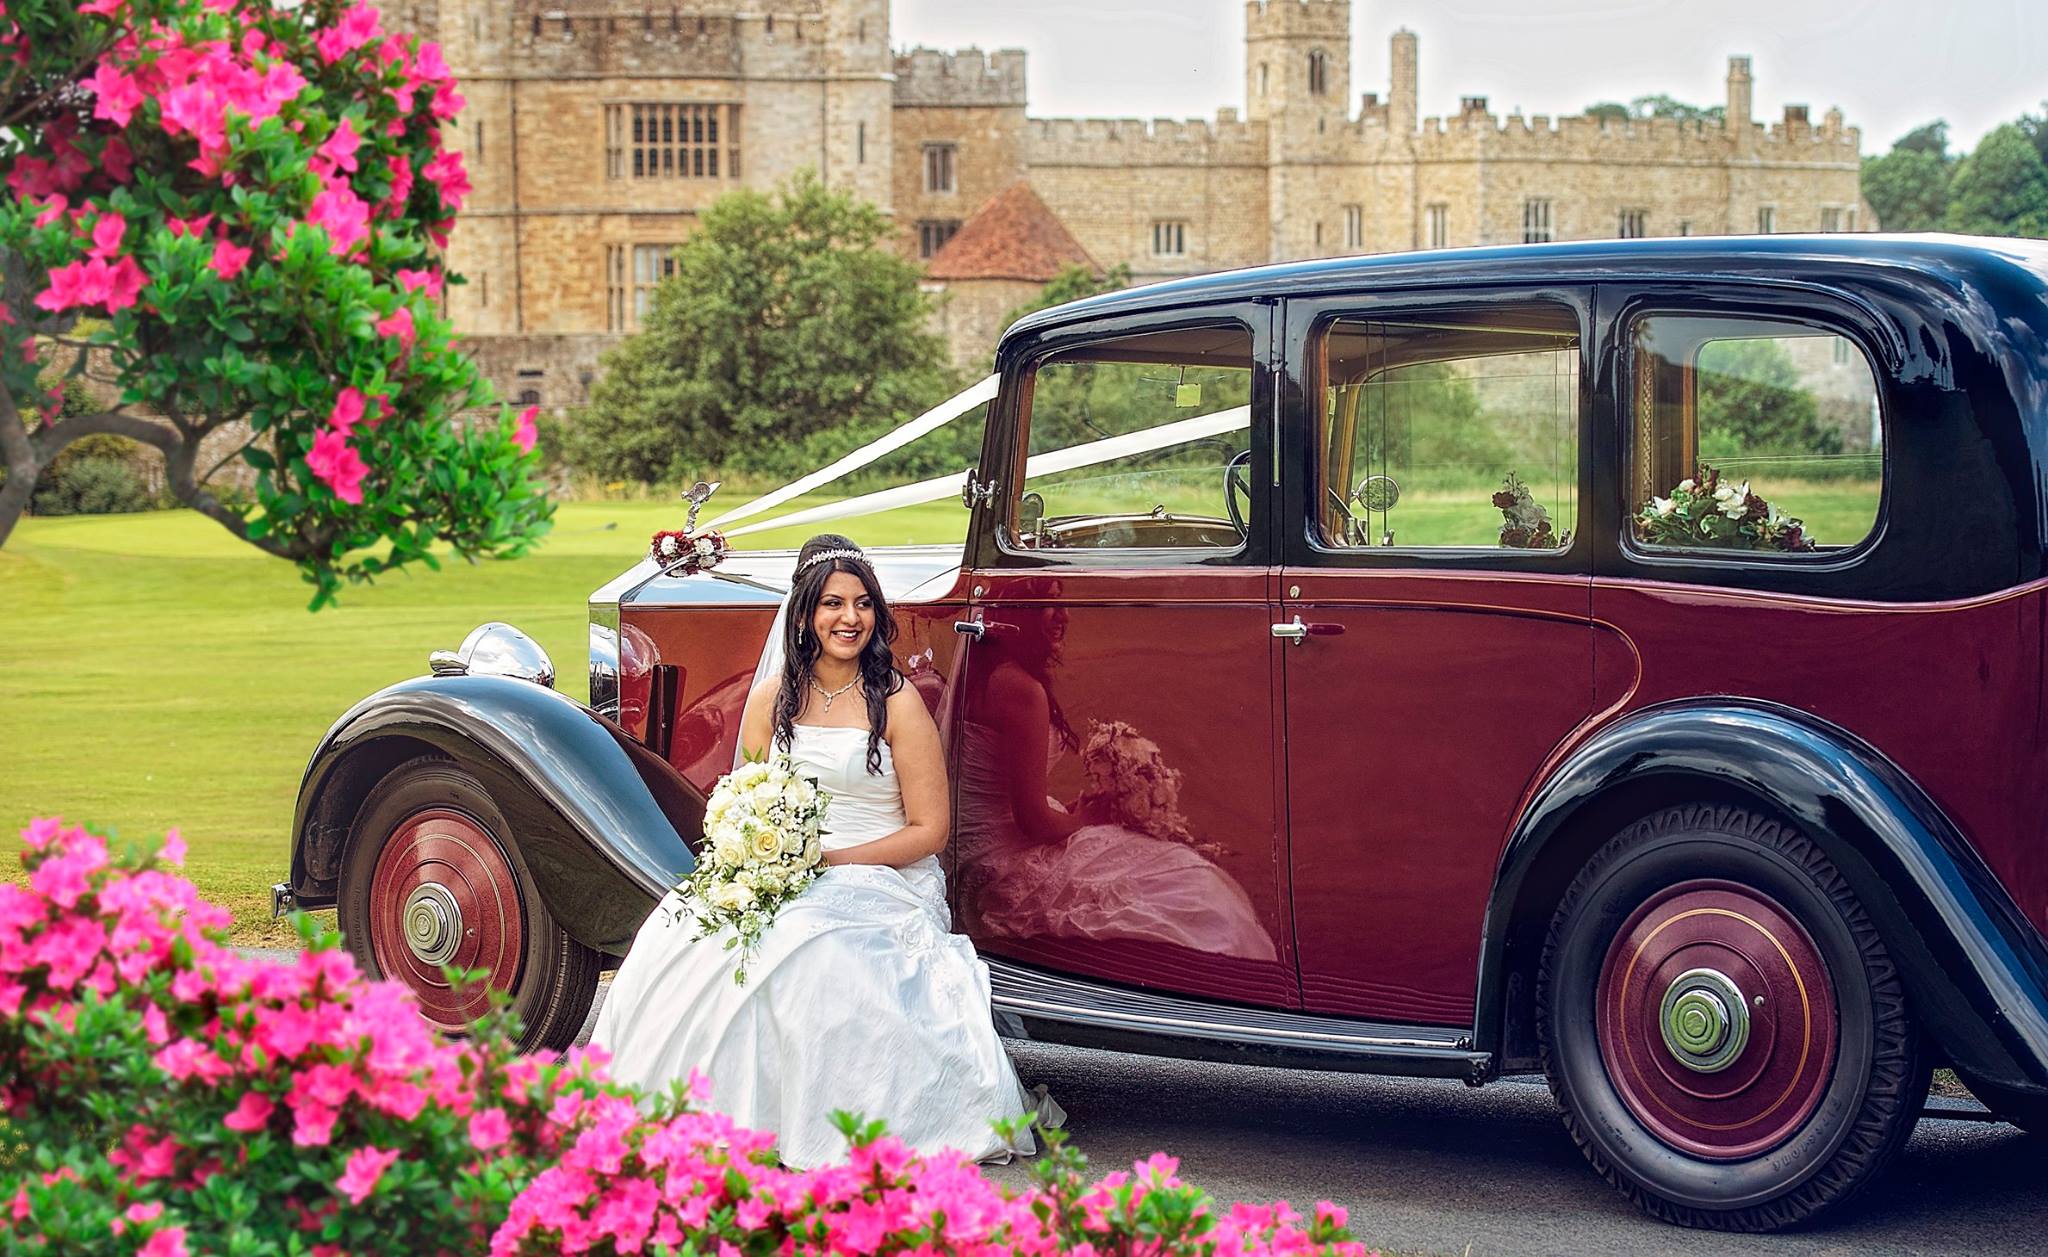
(1751, 436)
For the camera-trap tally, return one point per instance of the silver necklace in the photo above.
(829, 695)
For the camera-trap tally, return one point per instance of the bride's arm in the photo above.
(921, 775)
(757, 723)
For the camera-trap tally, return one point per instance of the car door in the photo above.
(1114, 740)
(1435, 586)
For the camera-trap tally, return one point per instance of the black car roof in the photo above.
(2014, 267)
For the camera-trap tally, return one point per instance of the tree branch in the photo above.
(21, 465)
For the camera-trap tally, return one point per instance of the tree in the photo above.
(1072, 283)
(1930, 138)
(236, 208)
(2001, 189)
(1662, 106)
(789, 324)
(1908, 188)
(1612, 111)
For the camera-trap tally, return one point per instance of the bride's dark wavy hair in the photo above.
(800, 645)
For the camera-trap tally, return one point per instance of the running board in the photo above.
(1033, 1004)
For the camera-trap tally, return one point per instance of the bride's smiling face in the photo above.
(845, 618)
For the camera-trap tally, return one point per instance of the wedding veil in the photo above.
(770, 666)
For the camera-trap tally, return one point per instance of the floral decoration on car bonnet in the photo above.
(685, 550)
(1526, 525)
(1708, 511)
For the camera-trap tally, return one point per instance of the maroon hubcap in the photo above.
(1717, 1020)
(444, 894)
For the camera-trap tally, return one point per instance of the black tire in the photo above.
(430, 806)
(1852, 1116)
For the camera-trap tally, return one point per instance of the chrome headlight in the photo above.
(499, 650)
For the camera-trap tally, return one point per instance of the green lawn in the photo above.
(155, 672)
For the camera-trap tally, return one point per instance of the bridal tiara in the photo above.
(826, 556)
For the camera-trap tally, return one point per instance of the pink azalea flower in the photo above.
(169, 1242)
(53, 209)
(107, 233)
(188, 226)
(398, 324)
(118, 160)
(413, 281)
(365, 1166)
(338, 466)
(144, 1211)
(344, 217)
(313, 1126)
(252, 1114)
(340, 148)
(348, 407)
(446, 173)
(124, 284)
(358, 26)
(489, 1128)
(101, 8)
(401, 187)
(228, 258)
(525, 435)
(118, 94)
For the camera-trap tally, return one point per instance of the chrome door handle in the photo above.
(970, 628)
(1296, 632)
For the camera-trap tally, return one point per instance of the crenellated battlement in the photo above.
(635, 37)
(1298, 19)
(1540, 137)
(927, 76)
(1227, 141)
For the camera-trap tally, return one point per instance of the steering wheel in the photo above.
(1237, 478)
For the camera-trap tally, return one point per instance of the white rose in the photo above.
(1721, 494)
(668, 547)
(765, 845)
(704, 548)
(1686, 485)
(803, 794)
(1665, 506)
(813, 851)
(733, 897)
(1735, 508)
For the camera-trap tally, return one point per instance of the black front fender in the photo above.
(1975, 968)
(600, 822)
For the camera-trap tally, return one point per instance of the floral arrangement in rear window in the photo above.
(1525, 525)
(1710, 511)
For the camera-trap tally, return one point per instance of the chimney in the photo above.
(1738, 95)
(1402, 96)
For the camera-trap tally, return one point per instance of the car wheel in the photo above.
(1728, 1038)
(429, 880)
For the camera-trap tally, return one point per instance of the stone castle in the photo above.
(595, 134)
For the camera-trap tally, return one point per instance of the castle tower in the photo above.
(859, 94)
(1405, 90)
(1297, 59)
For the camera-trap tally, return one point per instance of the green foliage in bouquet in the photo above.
(1706, 511)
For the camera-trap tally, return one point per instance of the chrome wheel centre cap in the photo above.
(433, 924)
(1705, 1020)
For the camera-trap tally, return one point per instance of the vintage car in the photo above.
(1621, 661)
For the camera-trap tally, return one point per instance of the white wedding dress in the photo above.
(860, 997)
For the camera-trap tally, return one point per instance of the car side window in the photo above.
(1137, 442)
(1758, 435)
(1457, 428)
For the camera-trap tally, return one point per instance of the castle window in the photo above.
(1439, 219)
(615, 288)
(479, 143)
(1319, 236)
(1354, 226)
(1685, 226)
(528, 397)
(860, 143)
(938, 168)
(1634, 224)
(933, 233)
(1264, 70)
(1830, 218)
(652, 263)
(1849, 219)
(672, 141)
(1536, 220)
(1318, 72)
(1169, 239)
(1766, 219)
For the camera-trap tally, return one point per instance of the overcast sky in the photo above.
(1890, 64)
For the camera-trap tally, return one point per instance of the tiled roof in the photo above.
(1014, 236)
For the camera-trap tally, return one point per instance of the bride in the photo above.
(859, 997)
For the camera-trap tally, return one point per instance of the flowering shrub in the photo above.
(165, 1096)
(1707, 511)
(241, 204)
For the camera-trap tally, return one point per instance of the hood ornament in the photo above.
(685, 550)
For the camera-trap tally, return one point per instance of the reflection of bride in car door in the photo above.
(1120, 863)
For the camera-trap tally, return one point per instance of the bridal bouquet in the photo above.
(760, 849)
